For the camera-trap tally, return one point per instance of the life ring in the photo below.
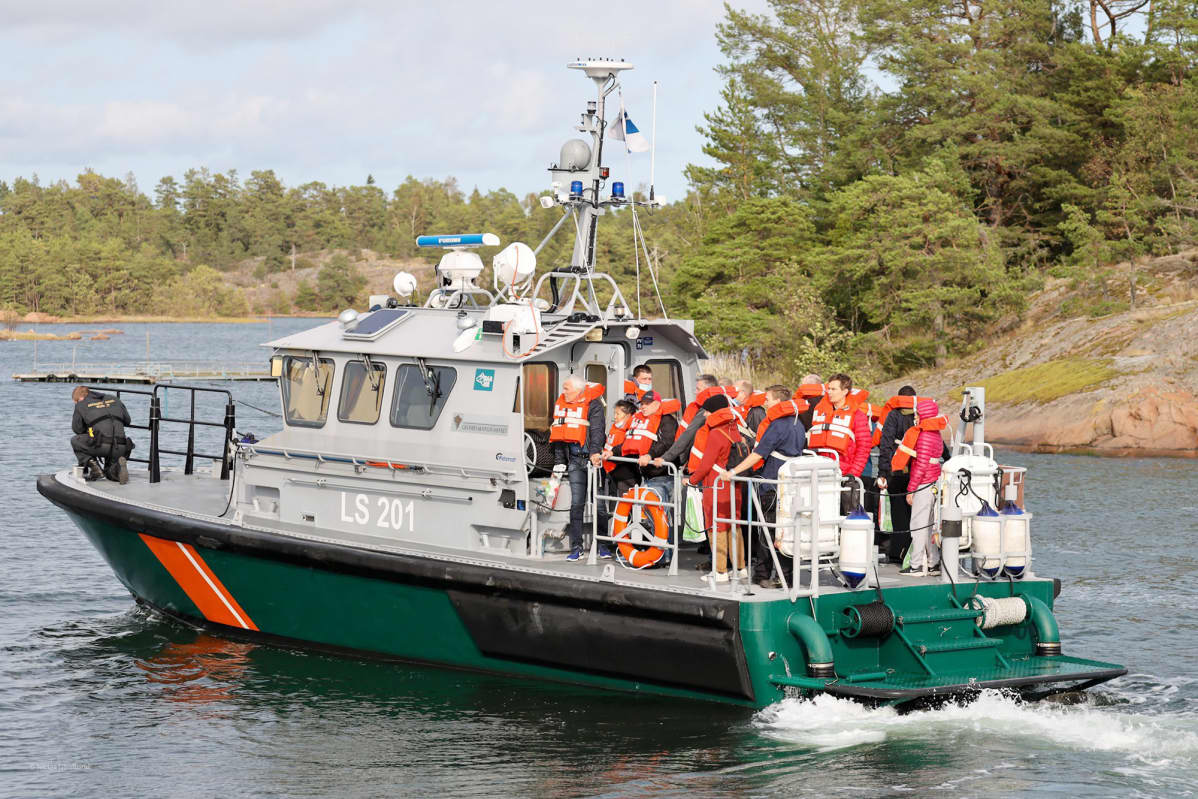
(640, 556)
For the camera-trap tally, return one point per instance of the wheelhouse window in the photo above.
(667, 378)
(540, 391)
(306, 386)
(420, 396)
(361, 392)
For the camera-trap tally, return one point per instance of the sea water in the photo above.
(100, 698)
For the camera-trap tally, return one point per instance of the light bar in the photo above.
(459, 240)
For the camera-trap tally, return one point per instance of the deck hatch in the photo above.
(377, 323)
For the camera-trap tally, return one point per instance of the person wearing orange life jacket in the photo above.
(650, 434)
(781, 435)
(839, 426)
(641, 383)
(923, 445)
(623, 476)
(708, 461)
(898, 416)
(811, 391)
(576, 437)
(750, 403)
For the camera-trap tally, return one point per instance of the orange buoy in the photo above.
(639, 555)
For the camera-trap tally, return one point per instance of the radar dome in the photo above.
(576, 155)
(404, 284)
(515, 263)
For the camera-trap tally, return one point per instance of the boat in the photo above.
(406, 509)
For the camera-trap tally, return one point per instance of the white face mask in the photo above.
(645, 386)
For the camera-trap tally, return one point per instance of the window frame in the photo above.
(378, 367)
(396, 393)
(522, 386)
(285, 384)
(675, 367)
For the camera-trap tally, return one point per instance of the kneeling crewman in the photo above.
(99, 426)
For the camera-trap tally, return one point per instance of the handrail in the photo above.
(594, 497)
(226, 459)
(792, 523)
(365, 461)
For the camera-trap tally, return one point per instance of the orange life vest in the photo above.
(755, 400)
(790, 407)
(631, 388)
(615, 438)
(697, 404)
(643, 430)
(570, 418)
(722, 416)
(832, 428)
(896, 402)
(906, 448)
(809, 391)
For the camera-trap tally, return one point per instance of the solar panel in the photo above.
(377, 323)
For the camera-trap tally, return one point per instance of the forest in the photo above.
(886, 181)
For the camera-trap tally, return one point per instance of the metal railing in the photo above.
(676, 521)
(153, 457)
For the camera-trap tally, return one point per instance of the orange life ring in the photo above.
(640, 557)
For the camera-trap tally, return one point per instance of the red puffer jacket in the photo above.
(925, 467)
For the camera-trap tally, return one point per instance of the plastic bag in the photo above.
(695, 527)
(885, 522)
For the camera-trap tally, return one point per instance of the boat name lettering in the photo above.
(388, 514)
(499, 456)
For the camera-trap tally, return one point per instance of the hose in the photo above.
(815, 642)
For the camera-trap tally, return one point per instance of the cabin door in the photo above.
(604, 364)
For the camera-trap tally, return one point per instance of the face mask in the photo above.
(645, 386)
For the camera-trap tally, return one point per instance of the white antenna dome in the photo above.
(575, 155)
(404, 284)
(460, 267)
(515, 263)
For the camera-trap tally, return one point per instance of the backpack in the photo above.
(740, 449)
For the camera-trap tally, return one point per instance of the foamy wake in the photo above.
(827, 723)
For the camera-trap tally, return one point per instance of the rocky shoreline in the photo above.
(1127, 382)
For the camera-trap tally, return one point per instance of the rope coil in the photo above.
(999, 612)
(873, 620)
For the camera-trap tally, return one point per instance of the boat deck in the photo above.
(204, 497)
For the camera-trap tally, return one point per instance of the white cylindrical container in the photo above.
(856, 546)
(987, 542)
(1016, 539)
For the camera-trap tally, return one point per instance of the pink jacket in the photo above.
(925, 467)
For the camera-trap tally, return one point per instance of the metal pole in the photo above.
(155, 417)
(653, 144)
(230, 422)
(191, 437)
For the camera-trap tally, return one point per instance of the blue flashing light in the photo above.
(617, 189)
(459, 240)
(576, 188)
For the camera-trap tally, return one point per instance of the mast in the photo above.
(604, 73)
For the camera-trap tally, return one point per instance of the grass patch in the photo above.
(1046, 382)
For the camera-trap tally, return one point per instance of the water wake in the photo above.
(826, 723)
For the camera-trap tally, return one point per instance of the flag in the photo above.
(623, 130)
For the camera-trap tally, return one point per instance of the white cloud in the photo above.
(333, 89)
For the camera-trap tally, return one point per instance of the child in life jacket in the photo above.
(925, 471)
(709, 460)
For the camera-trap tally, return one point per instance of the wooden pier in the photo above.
(144, 372)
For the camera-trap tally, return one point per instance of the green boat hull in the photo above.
(547, 627)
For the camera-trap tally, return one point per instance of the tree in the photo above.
(338, 283)
(907, 262)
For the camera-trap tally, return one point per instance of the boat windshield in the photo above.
(306, 390)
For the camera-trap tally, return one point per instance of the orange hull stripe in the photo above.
(198, 581)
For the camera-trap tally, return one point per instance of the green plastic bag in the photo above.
(695, 528)
(885, 522)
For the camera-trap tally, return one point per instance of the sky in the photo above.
(334, 90)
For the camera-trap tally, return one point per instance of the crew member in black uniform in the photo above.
(99, 426)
